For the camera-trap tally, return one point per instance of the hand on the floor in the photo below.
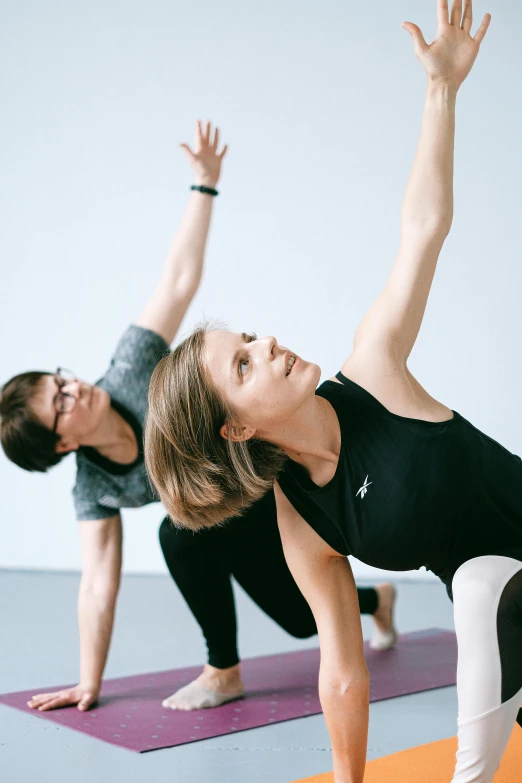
(79, 695)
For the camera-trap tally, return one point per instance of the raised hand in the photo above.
(450, 57)
(205, 158)
(82, 696)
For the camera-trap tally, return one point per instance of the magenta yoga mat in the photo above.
(278, 688)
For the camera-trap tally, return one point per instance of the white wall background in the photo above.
(321, 105)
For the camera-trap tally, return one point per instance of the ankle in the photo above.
(231, 671)
(386, 594)
(383, 615)
(221, 678)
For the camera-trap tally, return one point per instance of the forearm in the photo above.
(96, 609)
(428, 201)
(346, 712)
(183, 269)
(184, 265)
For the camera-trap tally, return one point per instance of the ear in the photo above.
(65, 446)
(236, 433)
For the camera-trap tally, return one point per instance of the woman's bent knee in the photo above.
(479, 582)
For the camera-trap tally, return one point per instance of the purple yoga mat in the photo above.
(278, 688)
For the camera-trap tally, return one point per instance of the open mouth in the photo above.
(289, 365)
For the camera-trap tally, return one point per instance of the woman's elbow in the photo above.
(433, 227)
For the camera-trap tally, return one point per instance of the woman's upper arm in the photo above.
(393, 321)
(325, 579)
(164, 312)
(101, 541)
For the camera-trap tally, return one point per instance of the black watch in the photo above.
(204, 189)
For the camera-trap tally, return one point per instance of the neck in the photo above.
(312, 437)
(114, 438)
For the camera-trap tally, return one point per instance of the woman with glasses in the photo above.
(45, 416)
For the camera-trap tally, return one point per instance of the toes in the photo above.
(170, 704)
(195, 696)
(174, 702)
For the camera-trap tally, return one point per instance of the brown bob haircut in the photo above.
(202, 478)
(25, 440)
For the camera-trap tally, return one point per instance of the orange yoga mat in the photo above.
(433, 763)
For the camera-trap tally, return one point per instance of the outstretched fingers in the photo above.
(207, 143)
(481, 32)
(464, 20)
(53, 704)
(467, 19)
(199, 134)
(442, 12)
(456, 13)
(417, 37)
(48, 701)
(205, 136)
(215, 145)
(190, 155)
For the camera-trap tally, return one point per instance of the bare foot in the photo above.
(384, 635)
(212, 688)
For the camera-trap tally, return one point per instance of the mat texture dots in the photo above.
(278, 688)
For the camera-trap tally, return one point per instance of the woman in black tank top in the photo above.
(368, 464)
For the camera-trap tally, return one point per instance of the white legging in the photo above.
(487, 597)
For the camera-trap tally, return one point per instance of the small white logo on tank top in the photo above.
(364, 489)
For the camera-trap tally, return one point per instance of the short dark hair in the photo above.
(25, 440)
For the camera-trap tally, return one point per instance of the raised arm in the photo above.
(392, 323)
(326, 581)
(184, 265)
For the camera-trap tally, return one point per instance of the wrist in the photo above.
(90, 685)
(205, 190)
(206, 182)
(443, 88)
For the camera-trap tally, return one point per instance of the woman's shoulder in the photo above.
(343, 393)
(388, 386)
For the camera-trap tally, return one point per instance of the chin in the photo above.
(316, 372)
(101, 401)
(308, 383)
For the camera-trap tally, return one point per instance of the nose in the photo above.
(72, 388)
(268, 344)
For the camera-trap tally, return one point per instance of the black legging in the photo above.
(249, 549)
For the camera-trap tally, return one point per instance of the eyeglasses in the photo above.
(63, 402)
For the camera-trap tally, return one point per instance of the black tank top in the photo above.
(409, 493)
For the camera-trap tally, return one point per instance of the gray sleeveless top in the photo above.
(103, 487)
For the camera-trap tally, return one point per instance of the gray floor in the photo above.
(155, 631)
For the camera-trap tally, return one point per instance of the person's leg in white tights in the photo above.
(487, 596)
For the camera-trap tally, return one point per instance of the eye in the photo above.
(243, 363)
